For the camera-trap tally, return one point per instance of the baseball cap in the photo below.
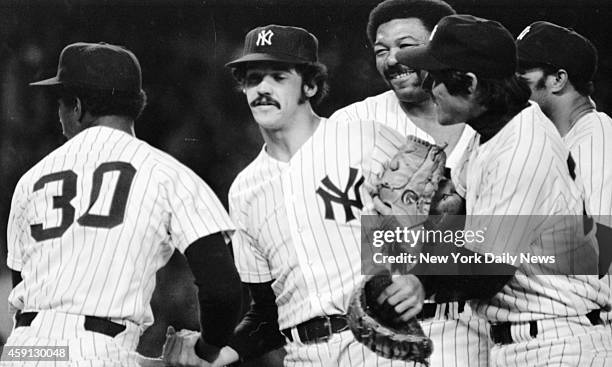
(99, 66)
(548, 43)
(292, 45)
(466, 43)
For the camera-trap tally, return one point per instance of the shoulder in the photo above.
(249, 176)
(368, 106)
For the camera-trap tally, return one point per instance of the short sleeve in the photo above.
(195, 210)
(17, 228)
(250, 262)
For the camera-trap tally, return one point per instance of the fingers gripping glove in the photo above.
(410, 179)
(374, 325)
(447, 209)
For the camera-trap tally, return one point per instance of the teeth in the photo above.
(402, 75)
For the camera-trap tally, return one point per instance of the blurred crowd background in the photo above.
(194, 111)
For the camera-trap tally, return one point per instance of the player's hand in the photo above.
(227, 356)
(406, 295)
(179, 349)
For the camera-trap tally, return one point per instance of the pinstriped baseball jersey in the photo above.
(92, 222)
(385, 108)
(590, 141)
(463, 339)
(523, 170)
(298, 222)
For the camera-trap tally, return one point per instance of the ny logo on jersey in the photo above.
(331, 193)
(264, 38)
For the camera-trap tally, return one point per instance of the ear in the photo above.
(559, 81)
(474, 82)
(310, 90)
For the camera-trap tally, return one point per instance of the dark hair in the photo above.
(313, 74)
(104, 102)
(429, 12)
(582, 86)
(498, 95)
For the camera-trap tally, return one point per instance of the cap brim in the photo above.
(265, 57)
(47, 82)
(419, 58)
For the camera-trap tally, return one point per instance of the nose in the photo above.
(265, 86)
(392, 59)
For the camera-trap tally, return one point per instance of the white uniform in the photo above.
(89, 227)
(298, 223)
(590, 141)
(523, 170)
(460, 339)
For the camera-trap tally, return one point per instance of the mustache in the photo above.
(398, 69)
(264, 100)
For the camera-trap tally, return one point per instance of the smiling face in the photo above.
(275, 93)
(390, 38)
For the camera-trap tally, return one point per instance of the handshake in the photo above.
(180, 350)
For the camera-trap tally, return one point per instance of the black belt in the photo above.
(92, 323)
(318, 329)
(501, 333)
(429, 310)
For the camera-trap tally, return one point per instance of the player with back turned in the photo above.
(516, 169)
(93, 221)
(561, 82)
(460, 338)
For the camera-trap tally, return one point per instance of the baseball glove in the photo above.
(410, 179)
(376, 327)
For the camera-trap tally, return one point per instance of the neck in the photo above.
(283, 143)
(568, 110)
(489, 123)
(425, 109)
(121, 123)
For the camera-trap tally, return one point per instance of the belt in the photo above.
(429, 310)
(92, 323)
(318, 329)
(501, 332)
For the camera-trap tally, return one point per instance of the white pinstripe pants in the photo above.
(570, 342)
(85, 348)
(462, 342)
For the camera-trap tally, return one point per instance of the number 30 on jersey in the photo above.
(69, 186)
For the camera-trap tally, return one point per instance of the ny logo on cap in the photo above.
(523, 33)
(264, 37)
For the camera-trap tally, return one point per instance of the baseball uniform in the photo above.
(590, 142)
(523, 170)
(298, 223)
(90, 225)
(459, 338)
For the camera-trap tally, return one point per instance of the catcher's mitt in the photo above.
(374, 325)
(410, 179)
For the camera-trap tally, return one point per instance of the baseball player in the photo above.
(297, 208)
(93, 221)
(460, 338)
(517, 165)
(561, 83)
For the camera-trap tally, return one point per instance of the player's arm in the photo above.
(258, 331)
(219, 291)
(604, 239)
(16, 277)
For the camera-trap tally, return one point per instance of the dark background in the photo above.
(194, 111)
